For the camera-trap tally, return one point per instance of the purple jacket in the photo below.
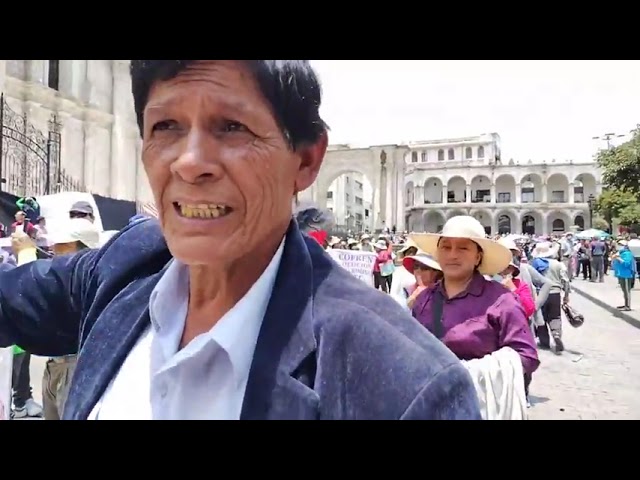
(480, 321)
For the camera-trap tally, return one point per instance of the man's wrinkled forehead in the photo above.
(225, 75)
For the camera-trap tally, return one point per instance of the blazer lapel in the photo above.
(283, 367)
(282, 372)
(107, 345)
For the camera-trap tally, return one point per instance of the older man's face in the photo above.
(222, 174)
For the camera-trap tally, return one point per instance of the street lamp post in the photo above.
(591, 202)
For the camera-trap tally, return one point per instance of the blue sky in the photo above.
(541, 109)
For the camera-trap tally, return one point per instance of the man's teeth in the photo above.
(203, 210)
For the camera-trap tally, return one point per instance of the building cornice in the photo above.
(54, 101)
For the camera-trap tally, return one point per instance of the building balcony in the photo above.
(498, 205)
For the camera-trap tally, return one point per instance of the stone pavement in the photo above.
(608, 295)
(596, 378)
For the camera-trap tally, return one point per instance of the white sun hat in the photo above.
(380, 245)
(407, 245)
(545, 250)
(423, 258)
(508, 243)
(495, 257)
(76, 230)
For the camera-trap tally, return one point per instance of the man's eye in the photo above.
(164, 125)
(231, 126)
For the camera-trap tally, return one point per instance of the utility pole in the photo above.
(607, 138)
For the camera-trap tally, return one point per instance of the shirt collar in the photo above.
(475, 287)
(237, 331)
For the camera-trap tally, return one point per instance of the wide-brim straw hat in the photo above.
(495, 257)
(422, 258)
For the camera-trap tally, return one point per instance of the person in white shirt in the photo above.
(402, 278)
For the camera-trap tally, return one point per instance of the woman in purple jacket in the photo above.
(471, 315)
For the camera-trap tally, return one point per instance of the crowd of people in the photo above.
(480, 294)
(30, 240)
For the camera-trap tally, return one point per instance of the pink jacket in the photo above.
(524, 296)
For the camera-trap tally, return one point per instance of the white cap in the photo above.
(77, 230)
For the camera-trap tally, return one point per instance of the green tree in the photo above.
(613, 202)
(630, 215)
(600, 223)
(621, 165)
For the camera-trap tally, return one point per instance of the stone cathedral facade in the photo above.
(70, 122)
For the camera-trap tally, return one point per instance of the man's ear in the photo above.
(311, 157)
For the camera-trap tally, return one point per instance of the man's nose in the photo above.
(199, 159)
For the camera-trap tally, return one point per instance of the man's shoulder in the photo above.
(364, 336)
(137, 249)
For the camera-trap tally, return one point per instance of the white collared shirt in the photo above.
(207, 379)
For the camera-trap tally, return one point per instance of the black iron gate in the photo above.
(29, 159)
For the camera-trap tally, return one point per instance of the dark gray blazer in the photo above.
(330, 347)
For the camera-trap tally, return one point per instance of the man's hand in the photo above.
(21, 241)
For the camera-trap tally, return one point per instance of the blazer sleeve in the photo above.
(41, 303)
(450, 395)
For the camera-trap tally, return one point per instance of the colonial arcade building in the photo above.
(418, 186)
(444, 178)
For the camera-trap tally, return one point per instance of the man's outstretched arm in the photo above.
(41, 303)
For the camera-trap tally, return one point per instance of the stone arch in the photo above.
(457, 189)
(558, 222)
(531, 222)
(455, 212)
(433, 221)
(415, 222)
(409, 194)
(505, 189)
(485, 217)
(557, 188)
(433, 189)
(584, 185)
(531, 186)
(480, 189)
(506, 222)
(343, 161)
(579, 221)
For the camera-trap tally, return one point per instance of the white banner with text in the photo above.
(359, 264)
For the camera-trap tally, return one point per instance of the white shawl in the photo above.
(499, 381)
(402, 279)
